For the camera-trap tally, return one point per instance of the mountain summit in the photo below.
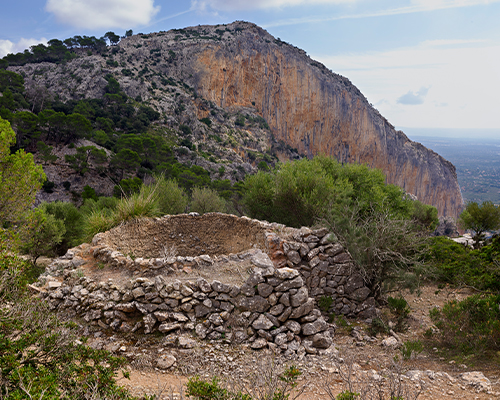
(240, 66)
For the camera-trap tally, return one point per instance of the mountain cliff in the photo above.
(242, 67)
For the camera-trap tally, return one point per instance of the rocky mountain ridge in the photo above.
(293, 104)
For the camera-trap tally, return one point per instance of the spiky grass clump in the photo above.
(137, 205)
(98, 221)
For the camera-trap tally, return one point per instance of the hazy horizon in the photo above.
(450, 133)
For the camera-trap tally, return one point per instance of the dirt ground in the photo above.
(211, 233)
(233, 269)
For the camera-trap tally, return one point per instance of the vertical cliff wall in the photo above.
(316, 111)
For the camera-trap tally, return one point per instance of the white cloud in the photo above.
(464, 79)
(6, 46)
(94, 14)
(440, 4)
(451, 42)
(231, 5)
(411, 98)
(416, 6)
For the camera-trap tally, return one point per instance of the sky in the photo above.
(431, 64)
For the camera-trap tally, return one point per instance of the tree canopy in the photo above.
(20, 178)
(298, 193)
(382, 228)
(480, 218)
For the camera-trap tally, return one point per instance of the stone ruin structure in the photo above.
(161, 271)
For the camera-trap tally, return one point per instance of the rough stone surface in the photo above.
(304, 309)
(262, 323)
(351, 130)
(300, 297)
(321, 341)
(286, 273)
(165, 362)
(477, 380)
(390, 342)
(314, 327)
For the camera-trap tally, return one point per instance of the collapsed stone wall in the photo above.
(275, 307)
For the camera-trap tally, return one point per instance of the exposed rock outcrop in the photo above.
(318, 112)
(447, 227)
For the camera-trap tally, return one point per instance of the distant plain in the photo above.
(475, 154)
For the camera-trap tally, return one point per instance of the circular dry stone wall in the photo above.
(293, 275)
(186, 235)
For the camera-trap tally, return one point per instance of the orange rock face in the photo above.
(319, 112)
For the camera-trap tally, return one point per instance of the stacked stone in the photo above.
(271, 309)
(327, 269)
(274, 308)
(116, 259)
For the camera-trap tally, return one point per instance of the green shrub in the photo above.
(325, 302)
(300, 192)
(73, 221)
(89, 193)
(185, 129)
(347, 395)
(399, 306)
(411, 348)
(39, 354)
(294, 193)
(378, 326)
(240, 120)
(106, 213)
(15, 273)
(45, 234)
(425, 215)
(203, 390)
(269, 385)
(171, 198)
(48, 186)
(205, 200)
(400, 309)
(460, 265)
(471, 325)
(102, 203)
(375, 221)
(262, 166)
(206, 121)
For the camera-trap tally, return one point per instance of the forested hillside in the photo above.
(106, 138)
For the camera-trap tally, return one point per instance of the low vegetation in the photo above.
(273, 382)
(459, 265)
(41, 356)
(384, 231)
(471, 326)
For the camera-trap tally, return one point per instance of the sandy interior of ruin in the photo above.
(183, 235)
